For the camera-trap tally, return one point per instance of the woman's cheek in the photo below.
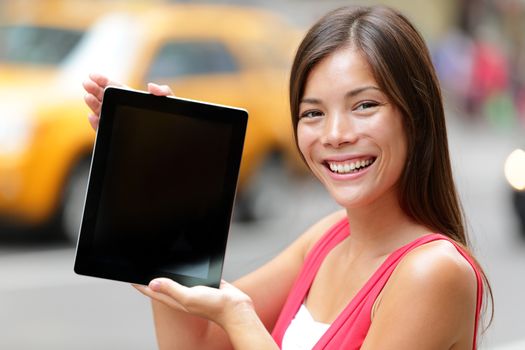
(305, 137)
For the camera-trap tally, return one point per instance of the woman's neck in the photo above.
(381, 227)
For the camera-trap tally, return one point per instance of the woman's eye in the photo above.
(366, 105)
(311, 114)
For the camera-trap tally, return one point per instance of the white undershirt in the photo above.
(303, 332)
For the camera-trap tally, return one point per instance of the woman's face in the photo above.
(349, 132)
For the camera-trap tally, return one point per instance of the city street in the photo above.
(45, 305)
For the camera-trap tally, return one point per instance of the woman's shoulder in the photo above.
(439, 261)
(436, 274)
(431, 293)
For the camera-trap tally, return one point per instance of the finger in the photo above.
(140, 288)
(159, 90)
(201, 301)
(93, 88)
(93, 120)
(171, 288)
(166, 286)
(165, 299)
(144, 290)
(103, 81)
(93, 103)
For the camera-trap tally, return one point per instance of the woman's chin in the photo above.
(350, 201)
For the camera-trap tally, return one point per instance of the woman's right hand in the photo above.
(227, 307)
(95, 85)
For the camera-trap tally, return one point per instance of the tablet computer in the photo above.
(161, 189)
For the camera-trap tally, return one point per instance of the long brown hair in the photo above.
(401, 64)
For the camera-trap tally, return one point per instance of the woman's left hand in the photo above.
(223, 306)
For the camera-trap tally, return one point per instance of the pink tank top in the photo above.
(349, 329)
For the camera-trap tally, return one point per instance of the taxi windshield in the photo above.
(36, 45)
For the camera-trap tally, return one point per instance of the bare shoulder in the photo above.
(429, 302)
(438, 273)
(436, 264)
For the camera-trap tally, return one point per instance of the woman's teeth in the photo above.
(350, 167)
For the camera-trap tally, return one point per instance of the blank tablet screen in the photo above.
(161, 195)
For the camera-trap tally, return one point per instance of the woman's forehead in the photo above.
(344, 68)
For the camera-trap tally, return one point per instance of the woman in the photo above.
(391, 270)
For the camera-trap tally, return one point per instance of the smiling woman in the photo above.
(390, 271)
(348, 128)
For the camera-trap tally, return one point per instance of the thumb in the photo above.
(168, 287)
(159, 90)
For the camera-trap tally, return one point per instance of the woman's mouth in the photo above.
(349, 166)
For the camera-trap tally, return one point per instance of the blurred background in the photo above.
(236, 53)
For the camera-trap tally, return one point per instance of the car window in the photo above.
(182, 58)
(36, 45)
(261, 54)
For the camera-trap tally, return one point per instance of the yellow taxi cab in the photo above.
(223, 54)
(37, 36)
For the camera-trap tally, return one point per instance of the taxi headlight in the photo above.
(15, 132)
(515, 169)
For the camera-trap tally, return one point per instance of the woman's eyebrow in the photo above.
(351, 93)
(355, 92)
(310, 100)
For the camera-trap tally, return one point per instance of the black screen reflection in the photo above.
(160, 201)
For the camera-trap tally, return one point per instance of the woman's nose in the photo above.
(338, 130)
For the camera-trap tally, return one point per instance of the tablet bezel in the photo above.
(86, 262)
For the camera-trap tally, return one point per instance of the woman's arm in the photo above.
(428, 303)
(241, 317)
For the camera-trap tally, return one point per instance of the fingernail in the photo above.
(154, 285)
